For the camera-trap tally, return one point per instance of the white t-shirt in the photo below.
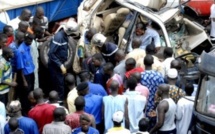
(212, 22)
(184, 114)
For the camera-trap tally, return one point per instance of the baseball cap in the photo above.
(14, 106)
(172, 73)
(99, 39)
(118, 116)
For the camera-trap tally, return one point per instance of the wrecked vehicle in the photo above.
(116, 19)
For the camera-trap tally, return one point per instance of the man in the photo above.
(8, 30)
(58, 54)
(42, 113)
(54, 100)
(39, 14)
(117, 119)
(25, 67)
(22, 27)
(144, 91)
(108, 70)
(166, 111)
(6, 80)
(185, 110)
(73, 94)
(99, 76)
(120, 67)
(25, 16)
(168, 56)
(28, 125)
(96, 89)
(107, 49)
(14, 126)
(147, 35)
(57, 126)
(73, 119)
(3, 41)
(85, 126)
(136, 104)
(113, 103)
(137, 52)
(157, 65)
(130, 67)
(93, 103)
(151, 79)
(174, 92)
(143, 126)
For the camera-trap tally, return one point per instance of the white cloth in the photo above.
(14, 23)
(136, 105)
(212, 16)
(35, 56)
(169, 121)
(166, 64)
(2, 124)
(184, 114)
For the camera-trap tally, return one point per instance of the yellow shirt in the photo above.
(72, 95)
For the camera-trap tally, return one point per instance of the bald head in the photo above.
(25, 15)
(90, 33)
(38, 94)
(137, 76)
(23, 26)
(176, 64)
(119, 55)
(163, 89)
(53, 97)
(70, 80)
(39, 12)
(114, 86)
(136, 43)
(19, 37)
(80, 103)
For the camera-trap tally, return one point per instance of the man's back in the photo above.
(28, 125)
(112, 104)
(97, 89)
(42, 114)
(136, 105)
(94, 106)
(184, 114)
(118, 130)
(56, 128)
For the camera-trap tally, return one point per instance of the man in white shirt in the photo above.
(25, 16)
(168, 56)
(136, 104)
(185, 110)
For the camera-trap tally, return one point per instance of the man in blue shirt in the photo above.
(58, 54)
(26, 124)
(85, 126)
(93, 104)
(96, 89)
(25, 68)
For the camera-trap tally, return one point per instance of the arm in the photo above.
(93, 122)
(53, 49)
(161, 110)
(179, 112)
(127, 125)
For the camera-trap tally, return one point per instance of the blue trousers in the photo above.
(57, 79)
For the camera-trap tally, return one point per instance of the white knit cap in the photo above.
(172, 73)
(118, 116)
(99, 39)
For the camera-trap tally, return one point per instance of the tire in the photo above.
(71, 53)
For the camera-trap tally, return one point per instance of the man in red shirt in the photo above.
(8, 30)
(42, 113)
(73, 120)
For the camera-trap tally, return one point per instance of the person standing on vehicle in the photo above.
(166, 111)
(58, 54)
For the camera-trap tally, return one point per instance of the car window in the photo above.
(206, 99)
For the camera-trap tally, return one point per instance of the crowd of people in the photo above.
(113, 92)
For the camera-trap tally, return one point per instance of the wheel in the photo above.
(71, 52)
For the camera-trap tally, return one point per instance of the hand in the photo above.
(25, 84)
(63, 69)
(13, 84)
